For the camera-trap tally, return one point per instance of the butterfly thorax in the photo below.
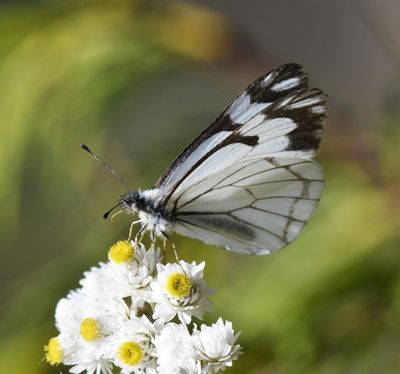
(153, 215)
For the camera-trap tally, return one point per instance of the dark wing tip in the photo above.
(308, 110)
(290, 67)
(278, 83)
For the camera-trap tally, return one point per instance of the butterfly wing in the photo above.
(256, 206)
(276, 120)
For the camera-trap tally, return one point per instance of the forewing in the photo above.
(256, 206)
(276, 116)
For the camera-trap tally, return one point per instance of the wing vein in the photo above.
(289, 217)
(282, 180)
(213, 188)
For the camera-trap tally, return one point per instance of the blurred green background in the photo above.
(137, 80)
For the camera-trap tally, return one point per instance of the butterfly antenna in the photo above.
(108, 167)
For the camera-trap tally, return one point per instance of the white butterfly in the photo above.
(247, 182)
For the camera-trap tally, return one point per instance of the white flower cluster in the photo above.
(135, 313)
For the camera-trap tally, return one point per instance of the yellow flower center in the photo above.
(178, 285)
(89, 329)
(53, 352)
(121, 251)
(130, 353)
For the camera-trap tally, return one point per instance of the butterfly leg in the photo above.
(166, 237)
(175, 252)
(141, 234)
(164, 250)
(130, 229)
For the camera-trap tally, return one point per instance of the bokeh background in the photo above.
(137, 80)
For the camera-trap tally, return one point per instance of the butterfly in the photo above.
(247, 183)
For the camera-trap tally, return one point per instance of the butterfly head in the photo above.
(128, 203)
(131, 201)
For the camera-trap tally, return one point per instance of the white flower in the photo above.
(84, 325)
(175, 351)
(132, 346)
(131, 278)
(82, 304)
(97, 282)
(215, 345)
(120, 317)
(180, 290)
(62, 349)
(147, 261)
